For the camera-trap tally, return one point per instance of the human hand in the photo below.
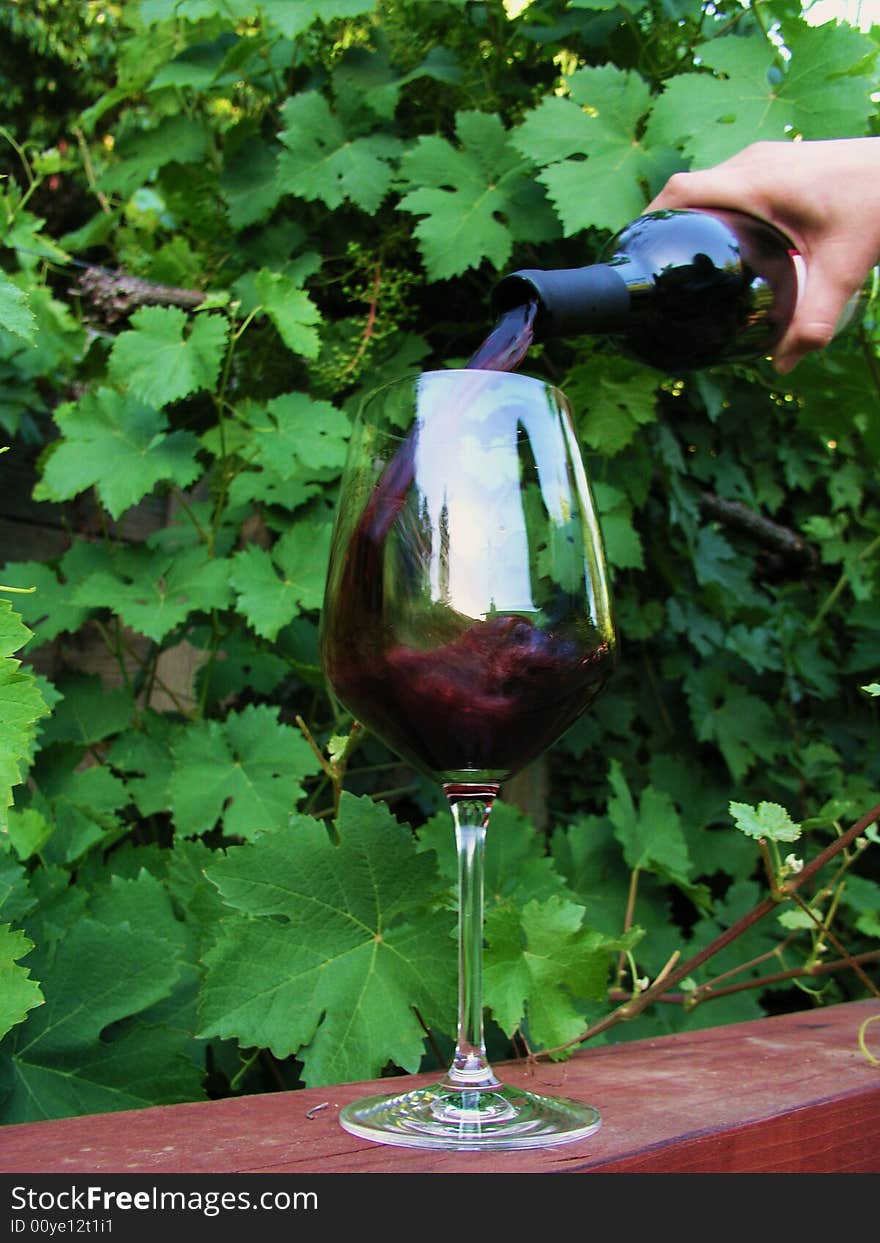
(825, 197)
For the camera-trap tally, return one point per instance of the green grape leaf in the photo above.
(623, 545)
(716, 561)
(822, 93)
(836, 393)
(141, 152)
(15, 314)
(758, 648)
(593, 164)
(828, 82)
(589, 857)
(757, 942)
(321, 161)
(795, 918)
(143, 757)
(132, 886)
(151, 12)
(275, 588)
(158, 362)
(862, 896)
(291, 310)
(358, 951)
(21, 706)
(85, 1050)
(293, 19)
(246, 771)
(119, 446)
(17, 897)
(249, 183)
(262, 597)
(82, 804)
(370, 78)
(190, 888)
(28, 831)
(154, 589)
(612, 398)
(766, 820)
(267, 487)
(48, 610)
(242, 665)
(88, 711)
(557, 128)
(741, 724)
(18, 992)
(266, 600)
(24, 232)
(517, 867)
(301, 432)
(540, 962)
(196, 66)
(474, 199)
(650, 833)
(14, 634)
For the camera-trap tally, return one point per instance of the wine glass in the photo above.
(467, 622)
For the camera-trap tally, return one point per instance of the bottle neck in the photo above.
(571, 301)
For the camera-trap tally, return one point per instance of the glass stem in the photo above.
(471, 807)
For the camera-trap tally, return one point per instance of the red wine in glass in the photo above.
(467, 622)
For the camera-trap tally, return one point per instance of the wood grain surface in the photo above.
(789, 1094)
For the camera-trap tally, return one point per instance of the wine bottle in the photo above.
(680, 290)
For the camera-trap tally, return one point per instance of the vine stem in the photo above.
(862, 1041)
(634, 1005)
(183, 501)
(334, 769)
(709, 988)
(219, 405)
(840, 585)
(19, 150)
(89, 170)
(628, 918)
(778, 977)
(370, 324)
(825, 931)
(707, 992)
(118, 647)
(243, 1070)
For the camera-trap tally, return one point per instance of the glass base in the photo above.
(439, 1116)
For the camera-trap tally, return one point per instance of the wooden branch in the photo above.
(705, 992)
(776, 538)
(114, 295)
(668, 979)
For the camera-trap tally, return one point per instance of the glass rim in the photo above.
(515, 377)
(519, 379)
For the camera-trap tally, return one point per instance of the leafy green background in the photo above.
(189, 908)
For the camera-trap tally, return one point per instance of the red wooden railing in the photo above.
(794, 1093)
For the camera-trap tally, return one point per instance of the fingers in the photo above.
(702, 189)
(832, 278)
(745, 182)
(821, 304)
